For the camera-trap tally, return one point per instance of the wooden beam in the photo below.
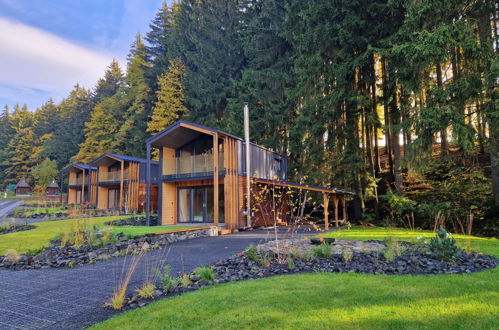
(215, 180)
(121, 184)
(335, 202)
(198, 129)
(290, 185)
(326, 211)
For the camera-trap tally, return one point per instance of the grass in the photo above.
(340, 301)
(40, 237)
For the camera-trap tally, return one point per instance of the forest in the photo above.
(394, 100)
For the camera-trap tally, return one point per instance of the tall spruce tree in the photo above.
(169, 106)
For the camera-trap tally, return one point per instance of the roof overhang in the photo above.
(182, 132)
(79, 167)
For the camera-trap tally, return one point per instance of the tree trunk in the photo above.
(443, 133)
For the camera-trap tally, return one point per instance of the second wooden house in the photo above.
(121, 182)
(82, 184)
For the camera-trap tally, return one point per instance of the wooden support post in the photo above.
(335, 202)
(215, 180)
(326, 211)
(121, 184)
(82, 200)
(344, 204)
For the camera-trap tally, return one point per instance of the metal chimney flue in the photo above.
(248, 165)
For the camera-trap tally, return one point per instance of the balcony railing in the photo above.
(113, 176)
(76, 181)
(194, 175)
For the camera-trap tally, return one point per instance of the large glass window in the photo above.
(197, 156)
(195, 204)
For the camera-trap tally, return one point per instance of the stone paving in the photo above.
(62, 298)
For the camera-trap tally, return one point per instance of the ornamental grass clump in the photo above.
(165, 277)
(443, 246)
(323, 251)
(147, 291)
(206, 273)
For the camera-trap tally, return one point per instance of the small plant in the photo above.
(290, 261)
(12, 255)
(185, 280)
(166, 278)
(117, 300)
(206, 273)
(70, 264)
(252, 253)
(443, 246)
(346, 254)
(64, 239)
(106, 237)
(323, 251)
(147, 291)
(393, 248)
(35, 252)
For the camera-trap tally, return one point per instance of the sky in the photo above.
(47, 46)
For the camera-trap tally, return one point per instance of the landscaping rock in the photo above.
(56, 256)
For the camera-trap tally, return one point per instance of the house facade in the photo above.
(121, 182)
(203, 175)
(82, 184)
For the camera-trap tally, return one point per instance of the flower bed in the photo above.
(260, 262)
(61, 255)
(14, 228)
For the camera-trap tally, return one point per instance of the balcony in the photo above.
(192, 176)
(112, 177)
(76, 181)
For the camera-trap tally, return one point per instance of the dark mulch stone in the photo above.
(134, 221)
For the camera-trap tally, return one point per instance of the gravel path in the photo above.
(72, 298)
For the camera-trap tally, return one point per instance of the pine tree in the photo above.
(135, 104)
(99, 131)
(169, 106)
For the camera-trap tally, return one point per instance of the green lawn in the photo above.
(340, 301)
(39, 237)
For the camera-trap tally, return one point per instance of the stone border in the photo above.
(56, 256)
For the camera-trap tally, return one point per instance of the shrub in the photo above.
(252, 253)
(185, 280)
(323, 251)
(166, 278)
(443, 246)
(147, 291)
(35, 252)
(117, 300)
(346, 253)
(206, 273)
(393, 248)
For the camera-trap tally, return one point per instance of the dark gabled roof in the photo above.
(121, 157)
(22, 184)
(178, 124)
(53, 184)
(79, 166)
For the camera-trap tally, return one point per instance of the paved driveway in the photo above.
(71, 298)
(8, 206)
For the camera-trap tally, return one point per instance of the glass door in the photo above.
(196, 204)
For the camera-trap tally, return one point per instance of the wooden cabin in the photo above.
(52, 189)
(203, 176)
(23, 188)
(121, 182)
(82, 184)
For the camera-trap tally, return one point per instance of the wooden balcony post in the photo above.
(215, 180)
(82, 200)
(148, 185)
(122, 172)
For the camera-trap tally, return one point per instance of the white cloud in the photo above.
(35, 59)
